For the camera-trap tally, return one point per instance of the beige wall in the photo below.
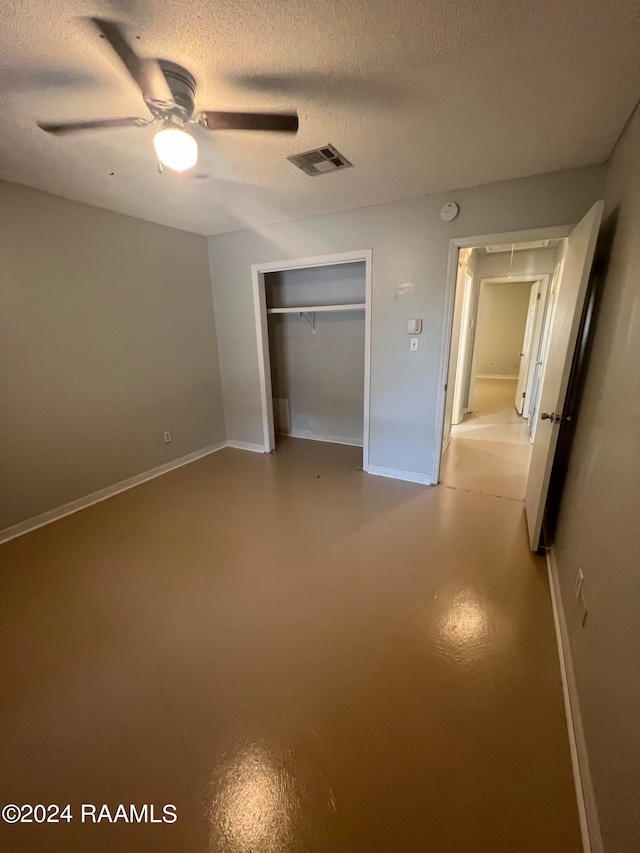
(502, 316)
(107, 339)
(500, 265)
(599, 524)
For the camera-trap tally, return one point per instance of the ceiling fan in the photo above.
(169, 92)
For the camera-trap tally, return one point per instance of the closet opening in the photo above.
(313, 324)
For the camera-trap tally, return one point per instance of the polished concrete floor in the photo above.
(489, 451)
(298, 656)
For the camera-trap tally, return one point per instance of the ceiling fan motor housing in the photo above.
(183, 88)
(169, 92)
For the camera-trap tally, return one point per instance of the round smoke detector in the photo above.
(449, 211)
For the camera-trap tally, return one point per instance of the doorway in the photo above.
(508, 331)
(498, 462)
(499, 313)
(313, 320)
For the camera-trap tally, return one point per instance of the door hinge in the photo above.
(538, 296)
(524, 394)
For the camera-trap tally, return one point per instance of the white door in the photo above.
(525, 349)
(533, 397)
(463, 353)
(534, 353)
(565, 322)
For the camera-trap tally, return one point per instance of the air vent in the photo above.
(320, 160)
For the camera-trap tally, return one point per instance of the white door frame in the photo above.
(536, 385)
(457, 409)
(530, 235)
(503, 279)
(538, 331)
(262, 333)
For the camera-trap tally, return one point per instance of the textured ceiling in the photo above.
(420, 96)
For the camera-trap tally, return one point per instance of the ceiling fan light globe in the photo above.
(176, 149)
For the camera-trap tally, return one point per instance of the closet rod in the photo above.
(300, 309)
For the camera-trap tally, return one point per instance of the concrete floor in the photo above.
(297, 655)
(490, 450)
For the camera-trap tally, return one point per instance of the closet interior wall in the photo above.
(317, 356)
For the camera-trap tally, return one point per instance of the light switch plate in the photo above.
(414, 344)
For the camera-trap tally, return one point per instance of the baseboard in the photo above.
(496, 376)
(95, 497)
(246, 445)
(445, 443)
(399, 474)
(330, 439)
(585, 796)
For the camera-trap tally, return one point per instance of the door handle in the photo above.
(551, 416)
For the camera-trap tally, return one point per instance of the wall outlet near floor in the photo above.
(167, 436)
(579, 582)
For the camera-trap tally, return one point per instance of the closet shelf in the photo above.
(312, 309)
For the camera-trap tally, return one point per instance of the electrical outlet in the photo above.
(579, 582)
(167, 436)
(583, 605)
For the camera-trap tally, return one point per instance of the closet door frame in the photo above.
(262, 333)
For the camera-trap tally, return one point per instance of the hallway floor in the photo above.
(298, 656)
(489, 451)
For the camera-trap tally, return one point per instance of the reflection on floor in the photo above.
(490, 451)
(298, 656)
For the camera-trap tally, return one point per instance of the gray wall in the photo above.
(326, 285)
(599, 525)
(524, 262)
(321, 374)
(502, 316)
(107, 340)
(410, 245)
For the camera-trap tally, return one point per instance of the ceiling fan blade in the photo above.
(282, 122)
(145, 72)
(60, 128)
